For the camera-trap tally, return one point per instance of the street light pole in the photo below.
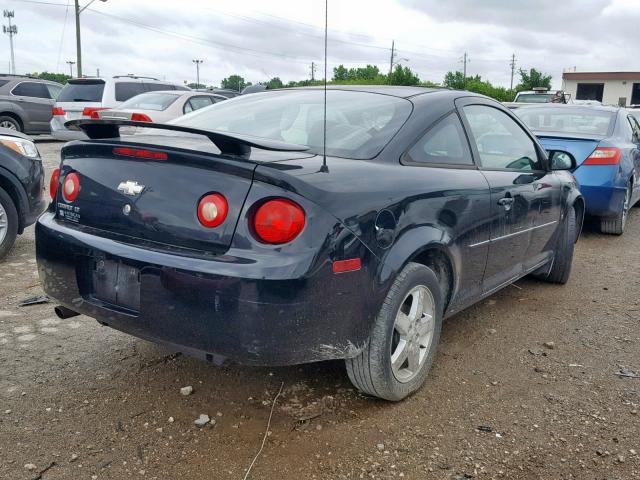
(71, 64)
(78, 42)
(198, 62)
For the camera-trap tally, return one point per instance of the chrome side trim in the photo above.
(512, 234)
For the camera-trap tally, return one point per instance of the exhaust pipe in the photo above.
(64, 312)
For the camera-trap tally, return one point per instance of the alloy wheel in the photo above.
(412, 333)
(4, 224)
(8, 124)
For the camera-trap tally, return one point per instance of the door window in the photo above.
(445, 143)
(31, 89)
(126, 90)
(635, 127)
(196, 103)
(501, 142)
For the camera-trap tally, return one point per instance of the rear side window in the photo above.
(31, 89)
(444, 144)
(126, 90)
(54, 90)
(82, 92)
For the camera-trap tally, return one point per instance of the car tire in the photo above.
(8, 223)
(615, 225)
(563, 258)
(372, 371)
(10, 123)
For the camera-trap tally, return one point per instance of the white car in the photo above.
(80, 97)
(159, 107)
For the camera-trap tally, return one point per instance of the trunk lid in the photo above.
(579, 147)
(165, 209)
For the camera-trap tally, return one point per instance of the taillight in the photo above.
(604, 156)
(88, 111)
(95, 115)
(71, 187)
(140, 153)
(278, 221)
(140, 117)
(57, 111)
(53, 183)
(212, 210)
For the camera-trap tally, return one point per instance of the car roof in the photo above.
(586, 108)
(25, 78)
(392, 90)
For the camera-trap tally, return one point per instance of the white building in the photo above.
(610, 88)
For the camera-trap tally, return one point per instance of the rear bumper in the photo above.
(60, 132)
(220, 308)
(603, 197)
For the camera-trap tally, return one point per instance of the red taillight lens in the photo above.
(57, 111)
(95, 115)
(140, 117)
(604, 156)
(212, 210)
(278, 221)
(71, 187)
(53, 183)
(88, 111)
(140, 153)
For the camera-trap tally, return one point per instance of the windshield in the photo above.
(150, 101)
(359, 124)
(82, 92)
(535, 98)
(566, 120)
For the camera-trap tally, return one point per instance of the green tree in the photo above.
(275, 82)
(403, 76)
(54, 77)
(532, 79)
(234, 82)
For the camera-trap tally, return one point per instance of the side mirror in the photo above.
(561, 160)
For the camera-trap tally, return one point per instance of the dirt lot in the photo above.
(98, 404)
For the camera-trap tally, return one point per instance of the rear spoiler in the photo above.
(569, 136)
(227, 143)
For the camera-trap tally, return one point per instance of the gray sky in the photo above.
(260, 40)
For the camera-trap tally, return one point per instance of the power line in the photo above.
(64, 27)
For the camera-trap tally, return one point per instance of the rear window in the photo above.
(154, 87)
(567, 120)
(127, 90)
(151, 101)
(82, 92)
(359, 124)
(535, 98)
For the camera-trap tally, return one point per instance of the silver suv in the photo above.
(83, 96)
(25, 103)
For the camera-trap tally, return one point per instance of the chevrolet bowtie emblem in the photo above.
(130, 188)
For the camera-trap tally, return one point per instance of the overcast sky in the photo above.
(260, 40)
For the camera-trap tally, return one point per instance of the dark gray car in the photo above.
(26, 103)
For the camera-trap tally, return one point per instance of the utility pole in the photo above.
(198, 62)
(11, 30)
(98, 72)
(393, 55)
(513, 68)
(78, 42)
(465, 60)
(313, 71)
(71, 64)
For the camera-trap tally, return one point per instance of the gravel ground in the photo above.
(524, 386)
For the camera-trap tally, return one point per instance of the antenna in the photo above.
(324, 167)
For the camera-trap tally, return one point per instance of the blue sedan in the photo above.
(606, 144)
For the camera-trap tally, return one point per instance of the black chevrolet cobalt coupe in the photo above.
(229, 235)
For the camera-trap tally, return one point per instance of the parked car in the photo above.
(256, 247)
(80, 97)
(539, 95)
(225, 92)
(606, 144)
(22, 196)
(25, 103)
(160, 106)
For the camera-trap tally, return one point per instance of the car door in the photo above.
(35, 100)
(442, 157)
(525, 196)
